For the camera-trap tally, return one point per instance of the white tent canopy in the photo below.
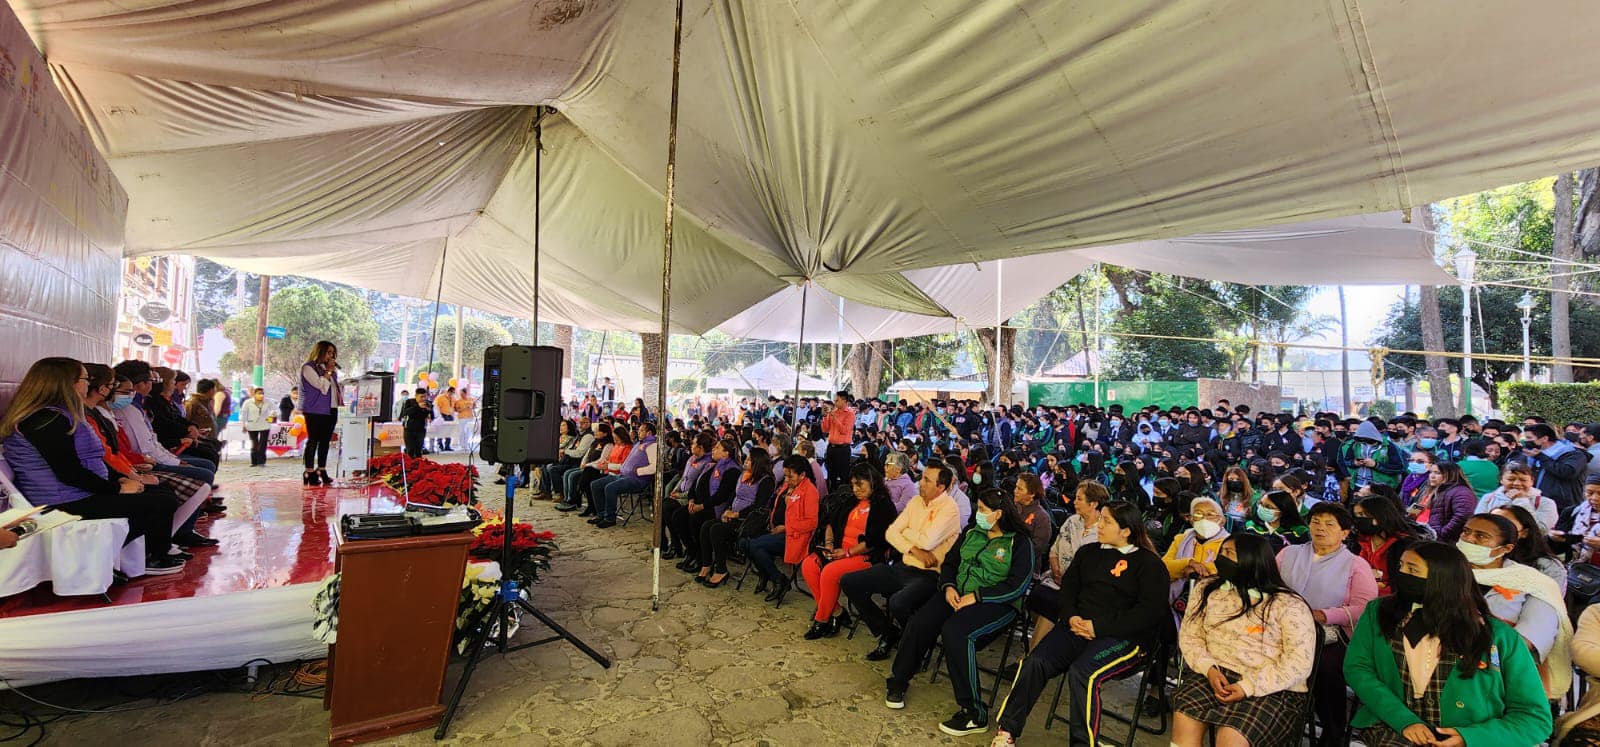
(768, 375)
(869, 147)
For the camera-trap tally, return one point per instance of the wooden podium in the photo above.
(397, 613)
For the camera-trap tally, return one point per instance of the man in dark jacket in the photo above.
(1560, 466)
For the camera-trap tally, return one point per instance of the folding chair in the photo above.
(1152, 664)
(639, 503)
(1018, 627)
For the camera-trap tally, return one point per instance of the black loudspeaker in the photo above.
(521, 418)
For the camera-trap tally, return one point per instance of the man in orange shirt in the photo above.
(839, 422)
(444, 406)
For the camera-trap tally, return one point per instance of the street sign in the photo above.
(143, 339)
(155, 312)
(173, 356)
(276, 333)
(1361, 393)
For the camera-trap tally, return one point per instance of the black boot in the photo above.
(780, 588)
(885, 647)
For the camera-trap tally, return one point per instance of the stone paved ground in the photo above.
(712, 667)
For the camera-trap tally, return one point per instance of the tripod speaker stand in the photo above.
(501, 610)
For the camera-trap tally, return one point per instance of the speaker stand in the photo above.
(508, 599)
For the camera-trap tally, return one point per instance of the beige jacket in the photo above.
(1586, 655)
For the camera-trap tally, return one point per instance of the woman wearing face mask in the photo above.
(1278, 519)
(1432, 666)
(1382, 534)
(1416, 479)
(1113, 609)
(984, 579)
(1337, 584)
(1164, 521)
(1248, 638)
(1077, 530)
(1125, 484)
(851, 536)
(1516, 489)
(257, 421)
(1237, 498)
(1522, 596)
(1531, 548)
(1295, 486)
(1193, 555)
(1445, 502)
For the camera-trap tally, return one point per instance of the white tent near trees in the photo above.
(886, 152)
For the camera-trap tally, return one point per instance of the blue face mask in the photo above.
(1416, 468)
(1267, 514)
(1428, 443)
(121, 401)
(984, 521)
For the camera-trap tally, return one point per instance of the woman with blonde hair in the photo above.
(60, 462)
(320, 399)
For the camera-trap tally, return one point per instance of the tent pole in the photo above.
(666, 302)
(998, 329)
(799, 347)
(538, 196)
(838, 349)
(1092, 356)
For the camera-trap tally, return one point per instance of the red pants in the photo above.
(823, 580)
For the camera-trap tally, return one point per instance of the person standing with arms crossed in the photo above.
(839, 422)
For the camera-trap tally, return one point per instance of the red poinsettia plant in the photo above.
(531, 550)
(426, 481)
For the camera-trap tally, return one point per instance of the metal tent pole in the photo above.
(666, 302)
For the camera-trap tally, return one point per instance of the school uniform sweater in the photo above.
(1123, 594)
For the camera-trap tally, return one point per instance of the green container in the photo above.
(1132, 395)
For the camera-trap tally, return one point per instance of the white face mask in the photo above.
(1476, 554)
(1206, 528)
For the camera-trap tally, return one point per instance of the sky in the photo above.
(1367, 306)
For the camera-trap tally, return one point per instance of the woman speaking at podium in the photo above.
(319, 401)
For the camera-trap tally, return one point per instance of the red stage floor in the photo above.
(274, 534)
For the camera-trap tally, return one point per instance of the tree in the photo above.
(308, 313)
(866, 364)
(1168, 309)
(1444, 401)
(1563, 249)
(1003, 366)
(476, 336)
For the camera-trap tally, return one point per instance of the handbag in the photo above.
(1583, 587)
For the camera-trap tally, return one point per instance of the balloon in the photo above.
(453, 381)
(422, 375)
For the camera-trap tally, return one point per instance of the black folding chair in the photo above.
(1152, 664)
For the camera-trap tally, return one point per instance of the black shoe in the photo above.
(309, 478)
(595, 519)
(163, 566)
(895, 697)
(761, 587)
(670, 554)
(191, 539)
(884, 649)
(588, 511)
(118, 577)
(779, 590)
(964, 723)
(709, 584)
(605, 524)
(566, 507)
(689, 564)
(1155, 705)
(323, 474)
(841, 621)
(819, 630)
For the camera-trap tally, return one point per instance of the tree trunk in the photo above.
(1587, 220)
(1003, 369)
(650, 355)
(1444, 401)
(1255, 353)
(866, 364)
(1562, 248)
(564, 341)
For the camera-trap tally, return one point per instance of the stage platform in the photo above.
(248, 598)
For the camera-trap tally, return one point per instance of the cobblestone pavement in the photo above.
(711, 667)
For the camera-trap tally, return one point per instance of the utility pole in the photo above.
(1344, 354)
(258, 374)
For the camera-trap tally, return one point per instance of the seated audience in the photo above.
(1432, 665)
(1531, 547)
(849, 538)
(984, 579)
(1079, 529)
(1029, 497)
(752, 496)
(1113, 610)
(672, 541)
(923, 533)
(59, 462)
(1337, 584)
(712, 494)
(1516, 489)
(1248, 640)
(1382, 533)
(1194, 554)
(788, 527)
(1277, 517)
(1526, 599)
(897, 478)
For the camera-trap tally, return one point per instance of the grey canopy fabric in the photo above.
(867, 147)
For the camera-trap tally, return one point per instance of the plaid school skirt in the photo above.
(1266, 721)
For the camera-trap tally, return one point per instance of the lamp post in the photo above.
(1526, 304)
(1466, 263)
